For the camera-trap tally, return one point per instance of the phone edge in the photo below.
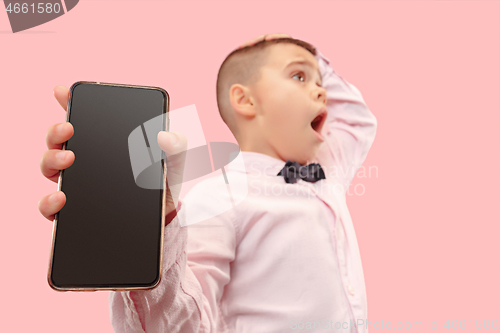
(166, 124)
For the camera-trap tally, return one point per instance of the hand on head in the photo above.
(263, 37)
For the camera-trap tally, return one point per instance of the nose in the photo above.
(319, 94)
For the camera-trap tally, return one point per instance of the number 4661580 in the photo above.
(479, 324)
(42, 8)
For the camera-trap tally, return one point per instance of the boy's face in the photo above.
(289, 97)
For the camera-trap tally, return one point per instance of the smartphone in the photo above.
(109, 233)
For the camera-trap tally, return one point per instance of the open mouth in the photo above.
(319, 120)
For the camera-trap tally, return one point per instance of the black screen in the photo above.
(108, 234)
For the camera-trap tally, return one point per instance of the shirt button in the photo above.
(351, 290)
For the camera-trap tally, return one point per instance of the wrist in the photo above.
(172, 214)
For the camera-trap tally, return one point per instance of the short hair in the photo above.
(243, 66)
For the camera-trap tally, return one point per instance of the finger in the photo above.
(174, 145)
(58, 134)
(54, 160)
(276, 36)
(61, 93)
(266, 37)
(252, 41)
(50, 204)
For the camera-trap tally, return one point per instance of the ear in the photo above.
(242, 100)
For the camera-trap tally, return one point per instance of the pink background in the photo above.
(427, 226)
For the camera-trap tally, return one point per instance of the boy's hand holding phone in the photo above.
(55, 159)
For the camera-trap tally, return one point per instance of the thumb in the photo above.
(172, 143)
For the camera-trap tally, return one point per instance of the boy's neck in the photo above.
(269, 151)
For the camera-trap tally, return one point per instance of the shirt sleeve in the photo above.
(349, 129)
(195, 270)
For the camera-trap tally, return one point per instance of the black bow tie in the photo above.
(292, 171)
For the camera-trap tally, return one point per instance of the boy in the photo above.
(286, 257)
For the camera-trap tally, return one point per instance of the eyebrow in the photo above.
(307, 63)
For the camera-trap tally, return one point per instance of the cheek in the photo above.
(286, 110)
(287, 105)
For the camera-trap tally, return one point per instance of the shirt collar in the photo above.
(252, 162)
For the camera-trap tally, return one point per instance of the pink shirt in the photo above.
(285, 259)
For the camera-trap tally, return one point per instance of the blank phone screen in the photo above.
(108, 234)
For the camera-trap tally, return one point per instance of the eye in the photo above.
(301, 74)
